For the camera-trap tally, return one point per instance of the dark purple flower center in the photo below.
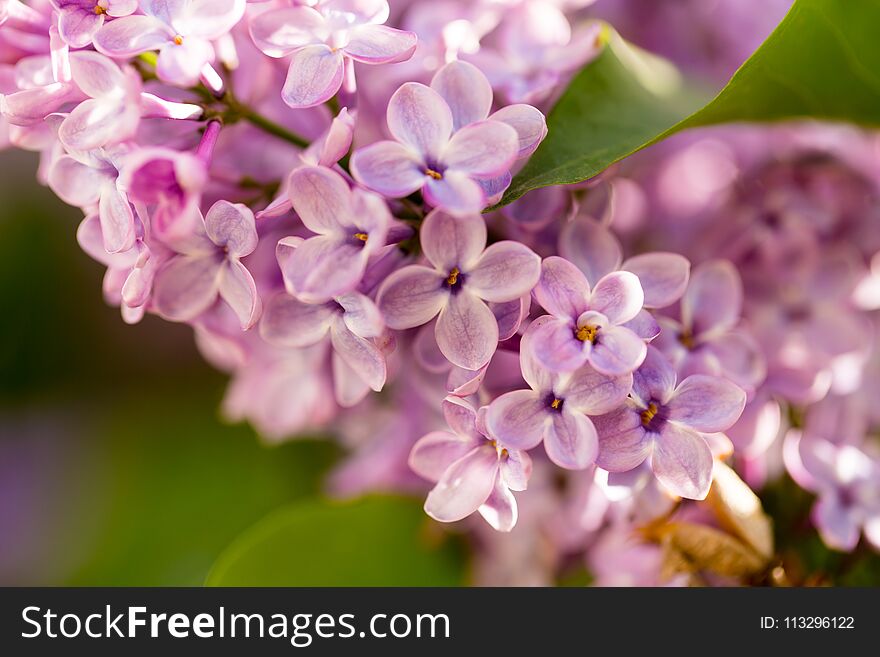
(554, 403)
(454, 280)
(360, 239)
(686, 338)
(653, 417)
(434, 170)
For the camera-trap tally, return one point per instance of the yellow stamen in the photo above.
(361, 236)
(436, 175)
(99, 10)
(178, 39)
(453, 276)
(587, 333)
(555, 404)
(686, 338)
(649, 413)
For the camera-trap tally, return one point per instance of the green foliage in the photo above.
(374, 541)
(821, 62)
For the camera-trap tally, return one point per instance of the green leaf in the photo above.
(821, 62)
(374, 541)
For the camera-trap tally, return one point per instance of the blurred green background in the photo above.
(115, 468)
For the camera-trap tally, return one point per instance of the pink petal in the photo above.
(554, 345)
(835, 523)
(466, 331)
(529, 123)
(314, 76)
(706, 403)
(506, 271)
(663, 276)
(623, 441)
(279, 32)
(483, 150)
(361, 315)
(617, 351)
(238, 289)
(571, 440)
(516, 469)
(323, 267)
(117, 219)
(682, 462)
(713, 300)
(208, 19)
(591, 247)
(379, 44)
(464, 487)
(455, 192)
(187, 286)
(466, 90)
(132, 35)
(360, 354)
(419, 117)
(618, 296)
(182, 64)
(499, 509)
(434, 453)
(461, 418)
(77, 26)
(348, 388)
(563, 290)
(74, 182)
(654, 380)
(95, 123)
(518, 419)
(389, 168)
(412, 296)
(643, 325)
(510, 316)
(232, 226)
(449, 241)
(321, 198)
(288, 322)
(593, 393)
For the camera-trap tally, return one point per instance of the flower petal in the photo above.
(360, 354)
(706, 403)
(238, 289)
(466, 90)
(321, 198)
(654, 380)
(132, 35)
(554, 345)
(314, 76)
(500, 509)
(361, 315)
(411, 296)
(464, 487)
(420, 118)
(591, 247)
(507, 270)
(516, 469)
(208, 19)
(379, 44)
(288, 322)
(518, 419)
(389, 168)
(483, 150)
(187, 286)
(456, 193)
(835, 523)
(529, 123)
(74, 182)
(117, 219)
(279, 32)
(466, 331)
(571, 440)
(623, 441)
(618, 296)
(594, 393)
(78, 27)
(617, 351)
(713, 300)
(182, 64)
(663, 276)
(448, 241)
(562, 290)
(434, 453)
(232, 225)
(323, 267)
(682, 462)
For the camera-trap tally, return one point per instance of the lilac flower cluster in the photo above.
(306, 186)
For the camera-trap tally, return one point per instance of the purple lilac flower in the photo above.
(847, 483)
(555, 409)
(350, 226)
(446, 144)
(181, 30)
(80, 20)
(325, 41)
(463, 276)
(584, 325)
(665, 422)
(707, 339)
(352, 322)
(473, 471)
(209, 265)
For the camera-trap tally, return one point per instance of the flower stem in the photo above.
(263, 123)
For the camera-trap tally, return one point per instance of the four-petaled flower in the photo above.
(463, 276)
(665, 423)
(80, 20)
(208, 265)
(473, 471)
(555, 409)
(584, 325)
(446, 144)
